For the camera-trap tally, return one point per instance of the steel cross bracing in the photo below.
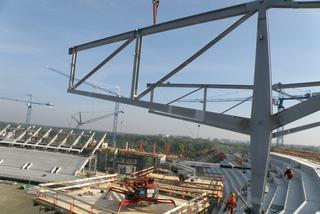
(262, 121)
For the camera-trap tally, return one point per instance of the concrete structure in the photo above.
(43, 154)
(109, 158)
(300, 195)
(39, 166)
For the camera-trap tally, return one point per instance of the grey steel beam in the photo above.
(72, 69)
(296, 112)
(191, 85)
(136, 67)
(261, 112)
(295, 129)
(275, 86)
(224, 121)
(198, 53)
(294, 4)
(94, 70)
(296, 85)
(212, 100)
(205, 95)
(202, 122)
(213, 15)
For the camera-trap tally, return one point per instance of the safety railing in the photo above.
(81, 182)
(56, 200)
(196, 205)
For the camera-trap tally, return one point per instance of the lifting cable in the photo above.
(155, 10)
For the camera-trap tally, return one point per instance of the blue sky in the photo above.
(37, 33)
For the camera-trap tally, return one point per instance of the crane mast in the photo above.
(116, 108)
(29, 102)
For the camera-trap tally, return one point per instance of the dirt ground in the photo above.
(15, 201)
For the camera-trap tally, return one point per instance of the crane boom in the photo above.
(115, 120)
(86, 82)
(25, 101)
(92, 120)
(29, 104)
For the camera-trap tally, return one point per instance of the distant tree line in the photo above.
(187, 147)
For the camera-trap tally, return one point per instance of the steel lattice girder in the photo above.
(262, 121)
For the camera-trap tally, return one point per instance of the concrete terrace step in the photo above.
(279, 199)
(309, 207)
(295, 195)
(304, 191)
(269, 196)
(312, 194)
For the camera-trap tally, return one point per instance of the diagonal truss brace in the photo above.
(296, 129)
(296, 112)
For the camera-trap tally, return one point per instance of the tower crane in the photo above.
(81, 122)
(29, 102)
(280, 106)
(116, 107)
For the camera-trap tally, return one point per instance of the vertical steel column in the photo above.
(29, 109)
(261, 112)
(204, 107)
(136, 66)
(115, 125)
(72, 69)
(280, 139)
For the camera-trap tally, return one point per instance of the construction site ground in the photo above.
(111, 202)
(91, 195)
(14, 200)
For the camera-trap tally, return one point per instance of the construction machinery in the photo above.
(140, 189)
(29, 102)
(81, 122)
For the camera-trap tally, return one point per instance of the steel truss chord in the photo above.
(224, 121)
(210, 16)
(296, 129)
